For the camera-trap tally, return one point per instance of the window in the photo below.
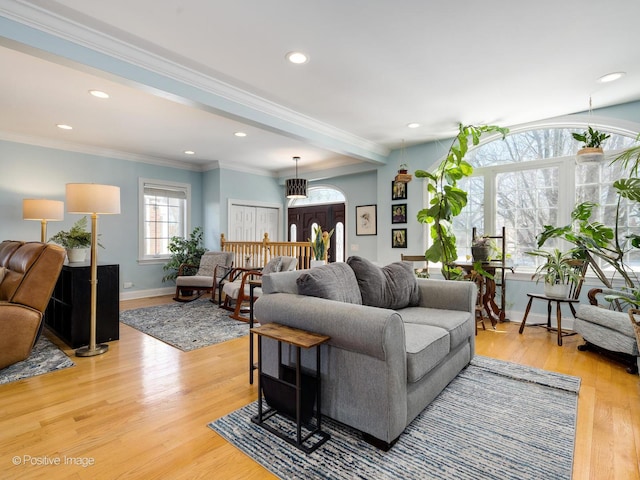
(531, 179)
(163, 214)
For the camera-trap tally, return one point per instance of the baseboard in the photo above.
(153, 292)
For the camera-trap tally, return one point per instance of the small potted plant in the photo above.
(403, 175)
(320, 246)
(77, 240)
(558, 271)
(482, 248)
(591, 150)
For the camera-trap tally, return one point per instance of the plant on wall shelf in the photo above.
(447, 199)
(184, 250)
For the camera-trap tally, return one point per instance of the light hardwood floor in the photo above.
(141, 410)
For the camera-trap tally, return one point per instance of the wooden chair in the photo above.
(580, 268)
(214, 266)
(422, 271)
(237, 290)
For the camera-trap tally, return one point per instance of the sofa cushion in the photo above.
(426, 347)
(393, 286)
(335, 281)
(607, 318)
(457, 323)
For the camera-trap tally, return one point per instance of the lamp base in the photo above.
(88, 352)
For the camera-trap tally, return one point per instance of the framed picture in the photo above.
(398, 238)
(399, 213)
(398, 190)
(366, 220)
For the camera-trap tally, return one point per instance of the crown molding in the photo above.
(97, 151)
(50, 22)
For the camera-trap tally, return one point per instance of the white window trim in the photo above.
(160, 259)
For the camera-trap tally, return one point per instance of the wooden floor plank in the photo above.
(141, 410)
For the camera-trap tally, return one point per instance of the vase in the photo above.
(316, 263)
(76, 255)
(556, 290)
(481, 253)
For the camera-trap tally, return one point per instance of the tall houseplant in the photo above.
(599, 242)
(447, 199)
(184, 250)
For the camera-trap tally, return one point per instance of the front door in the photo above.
(327, 216)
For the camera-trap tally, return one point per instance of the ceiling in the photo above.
(188, 74)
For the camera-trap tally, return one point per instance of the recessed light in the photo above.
(189, 152)
(413, 125)
(240, 134)
(64, 127)
(297, 57)
(611, 77)
(99, 94)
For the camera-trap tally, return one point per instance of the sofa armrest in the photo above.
(368, 330)
(19, 326)
(447, 294)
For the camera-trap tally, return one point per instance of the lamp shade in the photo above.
(297, 188)
(92, 198)
(42, 209)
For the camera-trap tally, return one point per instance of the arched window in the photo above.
(318, 195)
(531, 179)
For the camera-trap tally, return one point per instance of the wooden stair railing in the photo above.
(258, 253)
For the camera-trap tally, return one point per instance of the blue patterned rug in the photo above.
(496, 420)
(186, 326)
(45, 357)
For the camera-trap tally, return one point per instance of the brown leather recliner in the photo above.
(31, 270)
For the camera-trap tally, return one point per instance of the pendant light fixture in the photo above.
(296, 187)
(403, 176)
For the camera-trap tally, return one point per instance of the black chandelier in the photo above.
(296, 187)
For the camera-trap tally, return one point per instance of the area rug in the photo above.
(45, 357)
(186, 326)
(496, 420)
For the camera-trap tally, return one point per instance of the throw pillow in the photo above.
(272, 265)
(335, 281)
(393, 286)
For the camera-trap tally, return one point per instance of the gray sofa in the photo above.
(382, 366)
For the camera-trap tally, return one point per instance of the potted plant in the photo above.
(184, 250)
(403, 176)
(320, 246)
(558, 271)
(447, 200)
(591, 150)
(77, 240)
(482, 248)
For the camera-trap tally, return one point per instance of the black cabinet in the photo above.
(68, 314)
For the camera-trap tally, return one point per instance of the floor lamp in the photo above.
(94, 199)
(43, 210)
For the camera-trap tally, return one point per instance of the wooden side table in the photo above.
(290, 392)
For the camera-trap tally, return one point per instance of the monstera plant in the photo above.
(447, 199)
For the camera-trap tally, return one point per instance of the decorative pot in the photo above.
(481, 253)
(317, 263)
(76, 255)
(589, 155)
(556, 290)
